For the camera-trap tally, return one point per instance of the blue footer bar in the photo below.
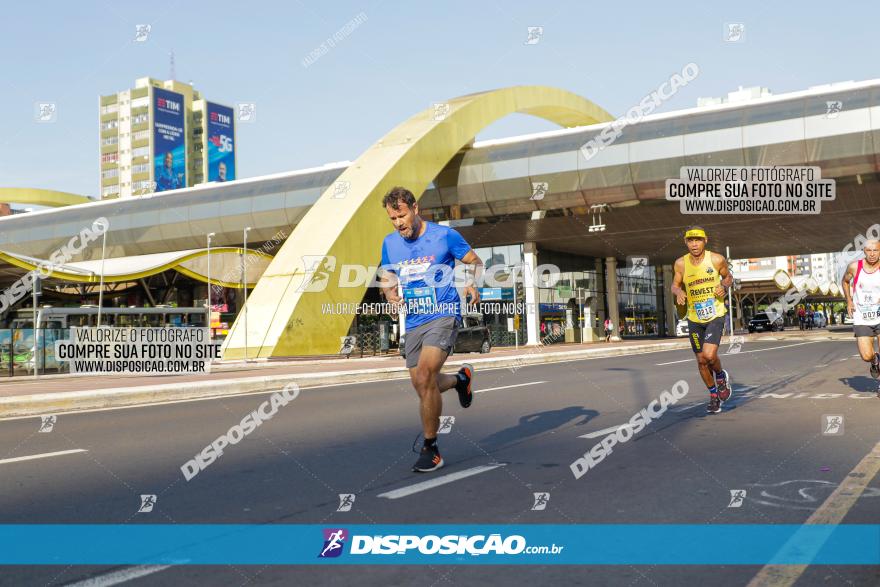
(221, 544)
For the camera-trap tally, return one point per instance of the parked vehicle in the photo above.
(761, 321)
(473, 336)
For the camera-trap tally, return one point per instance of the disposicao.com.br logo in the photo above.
(431, 544)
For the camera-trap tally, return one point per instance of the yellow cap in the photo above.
(695, 233)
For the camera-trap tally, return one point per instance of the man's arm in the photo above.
(677, 280)
(473, 260)
(845, 286)
(720, 263)
(387, 278)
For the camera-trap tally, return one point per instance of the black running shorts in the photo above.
(702, 333)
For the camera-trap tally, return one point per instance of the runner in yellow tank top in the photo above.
(705, 277)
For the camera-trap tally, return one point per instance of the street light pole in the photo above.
(210, 234)
(101, 287)
(730, 294)
(244, 288)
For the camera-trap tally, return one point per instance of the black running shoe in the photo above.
(723, 386)
(429, 460)
(714, 404)
(875, 368)
(465, 376)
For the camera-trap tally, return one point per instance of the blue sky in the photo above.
(403, 58)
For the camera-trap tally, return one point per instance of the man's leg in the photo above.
(706, 363)
(866, 351)
(710, 366)
(429, 383)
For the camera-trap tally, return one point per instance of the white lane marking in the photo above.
(42, 456)
(438, 481)
(509, 386)
(205, 399)
(604, 432)
(822, 365)
(831, 513)
(121, 576)
(843, 360)
(788, 346)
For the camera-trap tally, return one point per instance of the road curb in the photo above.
(48, 403)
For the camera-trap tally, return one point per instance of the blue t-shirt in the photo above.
(420, 264)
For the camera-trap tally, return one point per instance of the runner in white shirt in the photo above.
(863, 303)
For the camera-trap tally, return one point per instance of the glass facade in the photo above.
(501, 303)
(640, 303)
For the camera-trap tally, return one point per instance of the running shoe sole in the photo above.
(438, 465)
(727, 387)
(466, 397)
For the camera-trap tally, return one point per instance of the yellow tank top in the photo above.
(700, 282)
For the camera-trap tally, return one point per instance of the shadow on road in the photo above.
(539, 423)
(860, 383)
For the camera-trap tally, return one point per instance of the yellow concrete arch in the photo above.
(287, 313)
(41, 197)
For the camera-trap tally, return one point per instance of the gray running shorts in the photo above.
(861, 330)
(439, 332)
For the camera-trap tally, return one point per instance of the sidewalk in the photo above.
(21, 396)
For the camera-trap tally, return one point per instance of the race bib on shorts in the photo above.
(420, 300)
(705, 310)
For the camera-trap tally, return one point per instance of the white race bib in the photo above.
(705, 310)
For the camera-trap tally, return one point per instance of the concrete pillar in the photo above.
(530, 288)
(611, 292)
(669, 300)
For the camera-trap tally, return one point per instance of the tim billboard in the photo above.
(169, 140)
(220, 143)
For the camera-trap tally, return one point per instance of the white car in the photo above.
(681, 329)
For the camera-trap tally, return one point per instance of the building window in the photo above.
(109, 173)
(141, 186)
(140, 152)
(109, 157)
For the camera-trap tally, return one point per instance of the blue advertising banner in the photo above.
(442, 544)
(220, 142)
(169, 140)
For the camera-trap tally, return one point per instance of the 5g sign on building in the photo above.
(220, 143)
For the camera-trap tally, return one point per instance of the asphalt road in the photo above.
(357, 439)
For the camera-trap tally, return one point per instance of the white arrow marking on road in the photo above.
(438, 481)
(42, 456)
(508, 386)
(788, 346)
(117, 577)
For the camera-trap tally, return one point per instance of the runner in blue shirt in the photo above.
(419, 257)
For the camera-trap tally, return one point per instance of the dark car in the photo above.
(761, 321)
(473, 337)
